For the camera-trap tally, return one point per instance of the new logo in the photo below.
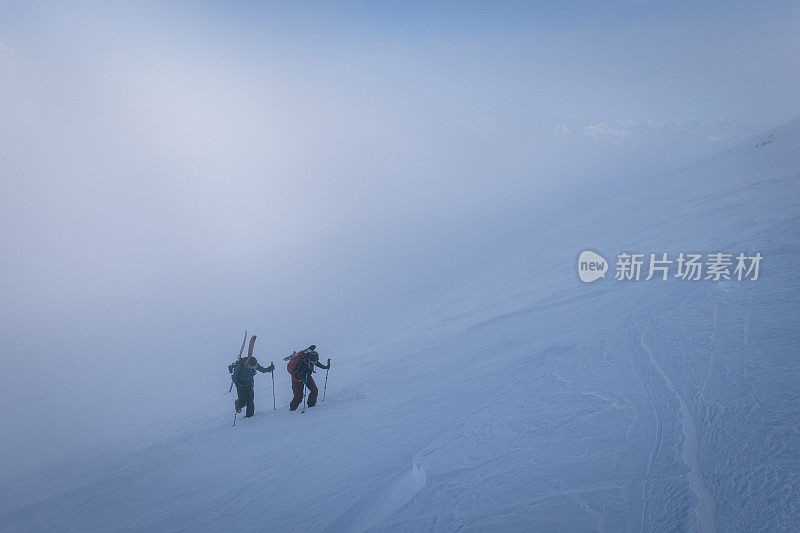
(591, 266)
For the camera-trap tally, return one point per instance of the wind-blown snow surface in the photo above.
(529, 401)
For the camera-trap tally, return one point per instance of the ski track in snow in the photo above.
(705, 502)
(653, 455)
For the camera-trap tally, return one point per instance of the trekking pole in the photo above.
(305, 384)
(273, 384)
(326, 380)
(234, 417)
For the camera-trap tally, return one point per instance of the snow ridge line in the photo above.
(705, 502)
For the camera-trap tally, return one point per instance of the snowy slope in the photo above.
(526, 401)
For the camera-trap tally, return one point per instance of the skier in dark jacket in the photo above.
(242, 377)
(301, 366)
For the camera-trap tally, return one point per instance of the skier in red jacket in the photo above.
(301, 367)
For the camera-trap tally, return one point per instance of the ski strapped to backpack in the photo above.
(250, 348)
(230, 366)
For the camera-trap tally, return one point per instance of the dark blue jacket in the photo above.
(243, 375)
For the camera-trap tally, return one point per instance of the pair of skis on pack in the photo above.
(249, 355)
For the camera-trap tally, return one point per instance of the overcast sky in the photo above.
(172, 174)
